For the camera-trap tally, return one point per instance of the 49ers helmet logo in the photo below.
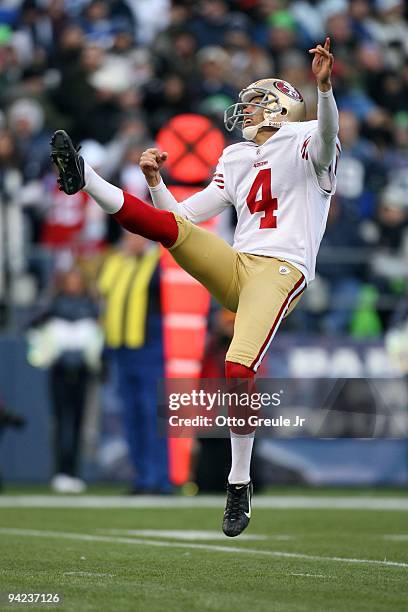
(288, 90)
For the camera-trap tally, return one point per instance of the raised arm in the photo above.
(201, 206)
(323, 142)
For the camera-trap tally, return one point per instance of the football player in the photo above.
(280, 180)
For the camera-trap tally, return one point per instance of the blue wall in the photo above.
(25, 454)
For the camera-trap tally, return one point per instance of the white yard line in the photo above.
(204, 501)
(187, 534)
(396, 537)
(84, 537)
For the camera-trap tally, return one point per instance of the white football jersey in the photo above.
(281, 208)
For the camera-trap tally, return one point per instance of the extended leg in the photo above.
(202, 254)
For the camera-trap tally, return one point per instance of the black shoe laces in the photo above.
(235, 503)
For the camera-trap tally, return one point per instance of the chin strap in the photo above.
(250, 131)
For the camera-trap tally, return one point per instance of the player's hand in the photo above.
(322, 65)
(150, 163)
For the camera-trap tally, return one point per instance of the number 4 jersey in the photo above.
(281, 207)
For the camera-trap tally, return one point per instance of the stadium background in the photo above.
(112, 74)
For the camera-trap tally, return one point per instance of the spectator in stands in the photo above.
(65, 338)
(247, 61)
(11, 177)
(96, 23)
(176, 52)
(129, 281)
(360, 172)
(341, 265)
(359, 11)
(214, 73)
(389, 263)
(396, 157)
(27, 123)
(164, 99)
(10, 70)
(212, 21)
(388, 26)
(281, 36)
(151, 17)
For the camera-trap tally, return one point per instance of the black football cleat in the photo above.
(237, 509)
(69, 163)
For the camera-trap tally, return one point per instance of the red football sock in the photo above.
(234, 371)
(140, 218)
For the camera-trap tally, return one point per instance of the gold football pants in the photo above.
(260, 290)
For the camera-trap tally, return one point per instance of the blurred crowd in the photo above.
(113, 72)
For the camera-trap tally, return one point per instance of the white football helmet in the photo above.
(280, 100)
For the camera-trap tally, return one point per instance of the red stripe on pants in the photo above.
(276, 321)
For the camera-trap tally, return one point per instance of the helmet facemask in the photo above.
(278, 108)
(235, 116)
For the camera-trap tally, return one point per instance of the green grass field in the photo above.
(156, 558)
